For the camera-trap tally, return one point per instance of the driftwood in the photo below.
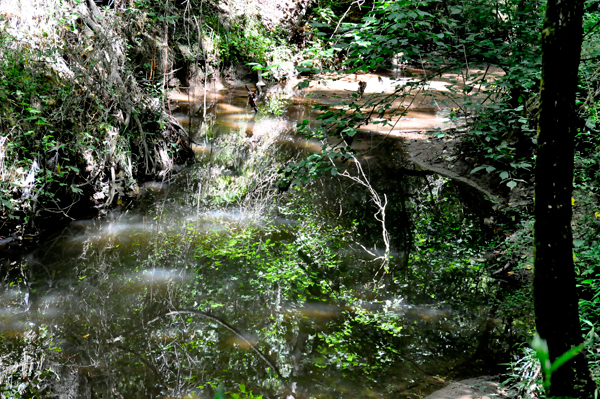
(252, 99)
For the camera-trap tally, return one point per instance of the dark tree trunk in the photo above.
(555, 295)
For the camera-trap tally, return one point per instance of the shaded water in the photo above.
(216, 279)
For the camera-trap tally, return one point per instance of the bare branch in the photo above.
(380, 205)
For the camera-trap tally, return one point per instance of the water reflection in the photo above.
(278, 292)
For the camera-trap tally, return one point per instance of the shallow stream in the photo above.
(216, 279)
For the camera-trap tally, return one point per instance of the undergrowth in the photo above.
(77, 132)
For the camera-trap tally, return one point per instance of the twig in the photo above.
(359, 2)
(591, 29)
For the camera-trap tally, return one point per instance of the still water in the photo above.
(217, 279)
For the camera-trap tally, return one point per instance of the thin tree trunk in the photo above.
(555, 295)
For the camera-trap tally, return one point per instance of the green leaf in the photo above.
(7, 204)
(349, 131)
(541, 349)
(565, 357)
(477, 169)
(504, 175)
(511, 184)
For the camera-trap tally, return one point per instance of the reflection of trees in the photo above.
(314, 309)
(250, 126)
(238, 334)
(388, 174)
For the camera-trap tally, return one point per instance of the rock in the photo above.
(4, 243)
(474, 388)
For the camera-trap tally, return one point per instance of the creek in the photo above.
(215, 279)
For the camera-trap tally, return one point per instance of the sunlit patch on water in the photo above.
(14, 327)
(224, 108)
(312, 146)
(50, 308)
(154, 278)
(424, 312)
(12, 313)
(245, 343)
(18, 313)
(311, 310)
(156, 187)
(12, 297)
(187, 121)
(204, 148)
(123, 231)
(227, 216)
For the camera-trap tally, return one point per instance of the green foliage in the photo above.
(447, 244)
(70, 133)
(541, 349)
(31, 138)
(456, 37)
(523, 377)
(210, 36)
(248, 41)
(274, 104)
(504, 140)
